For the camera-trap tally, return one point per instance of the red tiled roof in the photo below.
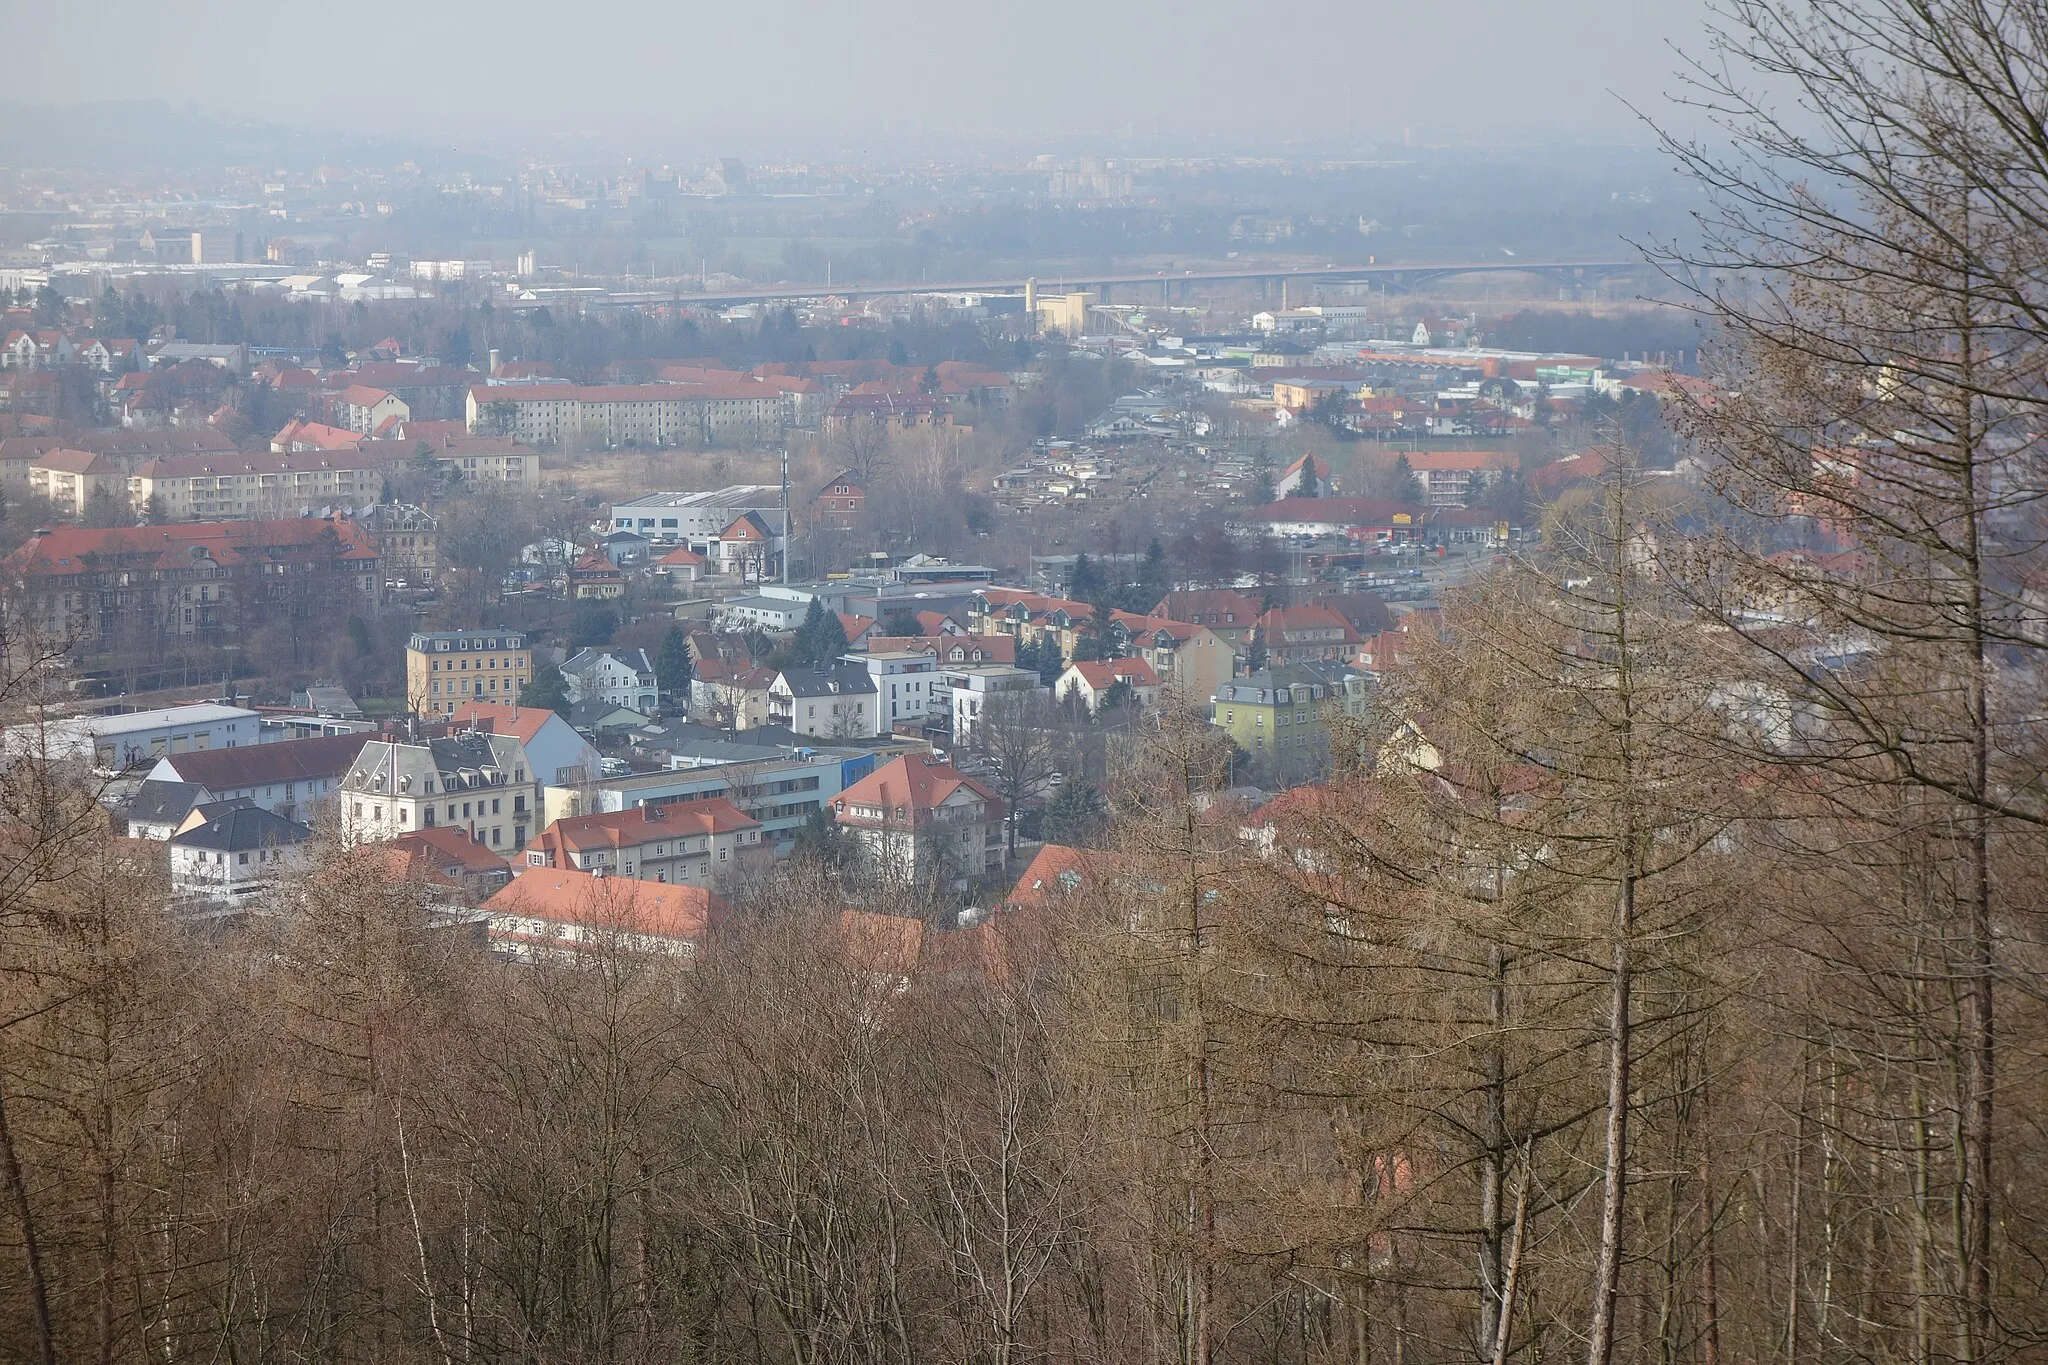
(1279, 625)
(317, 434)
(1208, 607)
(75, 462)
(447, 850)
(73, 549)
(1450, 461)
(1101, 673)
(503, 718)
(255, 462)
(921, 784)
(1057, 870)
(618, 904)
(630, 828)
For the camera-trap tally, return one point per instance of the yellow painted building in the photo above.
(1280, 716)
(446, 667)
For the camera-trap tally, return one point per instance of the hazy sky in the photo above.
(810, 75)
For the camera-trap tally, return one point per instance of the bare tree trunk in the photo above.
(39, 1287)
(1505, 1330)
(1614, 1175)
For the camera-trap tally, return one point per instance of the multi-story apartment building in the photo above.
(1280, 716)
(210, 579)
(446, 667)
(694, 843)
(409, 538)
(1306, 634)
(475, 782)
(72, 478)
(363, 408)
(961, 695)
(916, 819)
(905, 685)
(219, 487)
(616, 677)
(836, 703)
(476, 459)
(629, 414)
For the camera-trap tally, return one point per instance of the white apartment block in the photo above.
(476, 782)
(215, 487)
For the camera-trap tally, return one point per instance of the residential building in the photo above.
(836, 703)
(891, 411)
(550, 914)
(1227, 612)
(1450, 478)
(916, 820)
(610, 415)
(238, 852)
(299, 436)
(1089, 681)
(745, 548)
(621, 678)
(1290, 480)
(730, 696)
(213, 580)
(408, 539)
(1057, 871)
(903, 685)
(555, 754)
(474, 781)
(624, 548)
(207, 487)
(600, 719)
(961, 695)
(446, 667)
(1280, 716)
(453, 856)
(37, 350)
(157, 810)
(294, 778)
(72, 478)
(693, 843)
(953, 649)
(369, 411)
(125, 743)
(594, 578)
(1190, 658)
(1292, 635)
(472, 459)
(840, 502)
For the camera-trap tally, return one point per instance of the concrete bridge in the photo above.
(1166, 286)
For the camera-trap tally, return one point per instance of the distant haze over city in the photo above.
(817, 79)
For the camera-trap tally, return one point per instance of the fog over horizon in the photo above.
(802, 78)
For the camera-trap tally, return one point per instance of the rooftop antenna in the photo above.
(785, 516)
